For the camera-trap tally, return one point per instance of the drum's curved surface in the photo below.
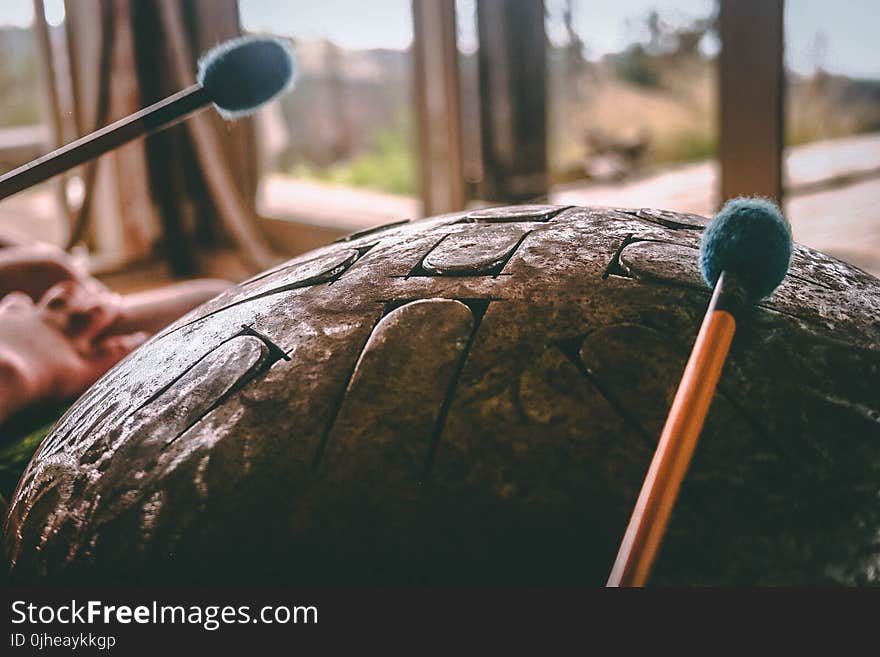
(470, 399)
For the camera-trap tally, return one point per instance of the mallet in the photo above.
(238, 77)
(744, 254)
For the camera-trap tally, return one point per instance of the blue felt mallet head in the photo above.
(242, 75)
(750, 240)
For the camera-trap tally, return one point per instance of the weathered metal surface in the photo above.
(515, 213)
(470, 399)
(478, 250)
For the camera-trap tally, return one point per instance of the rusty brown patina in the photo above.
(470, 399)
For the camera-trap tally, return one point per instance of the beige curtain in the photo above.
(188, 187)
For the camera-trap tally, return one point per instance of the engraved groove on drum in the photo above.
(662, 262)
(644, 387)
(201, 388)
(519, 213)
(571, 348)
(674, 220)
(397, 394)
(478, 308)
(323, 269)
(371, 231)
(676, 264)
(614, 268)
(476, 252)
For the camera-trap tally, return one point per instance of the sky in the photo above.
(839, 35)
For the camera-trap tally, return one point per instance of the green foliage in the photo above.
(390, 166)
(635, 66)
(15, 455)
(19, 78)
(684, 146)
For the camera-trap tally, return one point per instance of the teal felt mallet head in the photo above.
(242, 75)
(750, 240)
(238, 77)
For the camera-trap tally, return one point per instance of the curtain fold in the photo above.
(178, 190)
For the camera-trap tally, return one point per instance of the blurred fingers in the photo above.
(81, 312)
(16, 301)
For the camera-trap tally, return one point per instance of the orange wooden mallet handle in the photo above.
(650, 516)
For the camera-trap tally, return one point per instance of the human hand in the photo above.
(54, 349)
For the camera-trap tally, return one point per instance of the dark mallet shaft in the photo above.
(151, 119)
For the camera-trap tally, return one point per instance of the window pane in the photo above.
(348, 126)
(833, 128)
(34, 213)
(633, 99)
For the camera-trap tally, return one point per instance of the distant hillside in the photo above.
(670, 102)
(344, 100)
(354, 107)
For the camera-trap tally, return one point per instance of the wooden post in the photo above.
(513, 103)
(751, 78)
(437, 105)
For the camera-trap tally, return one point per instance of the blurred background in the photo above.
(405, 108)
